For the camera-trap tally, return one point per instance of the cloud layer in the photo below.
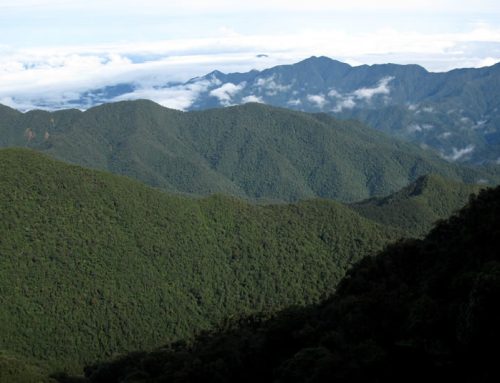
(150, 43)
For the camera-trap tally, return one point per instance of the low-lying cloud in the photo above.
(226, 92)
(271, 86)
(367, 93)
(318, 99)
(252, 98)
(458, 154)
(179, 97)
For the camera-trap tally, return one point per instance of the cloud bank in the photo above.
(56, 74)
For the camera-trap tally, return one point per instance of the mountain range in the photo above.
(253, 151)
(454, 113)
(236, 240)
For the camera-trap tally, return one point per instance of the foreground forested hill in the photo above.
(252, 151)
(92, 264)
(421, 310)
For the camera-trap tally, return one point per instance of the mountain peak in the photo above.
(322, 60)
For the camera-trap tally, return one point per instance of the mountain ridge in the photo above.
(455, 113)
(254, 151)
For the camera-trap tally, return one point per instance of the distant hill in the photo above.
(421, 310)
(252, 151)
(454, 113)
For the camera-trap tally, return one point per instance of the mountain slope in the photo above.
(455, 113)
(253, 151)
(93, 264)
(421, 310)
(419, 205)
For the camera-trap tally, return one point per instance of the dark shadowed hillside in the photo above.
(421, 310)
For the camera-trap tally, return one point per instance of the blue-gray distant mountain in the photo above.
(455, 113)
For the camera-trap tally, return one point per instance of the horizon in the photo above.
(35, 107)
(56, 50)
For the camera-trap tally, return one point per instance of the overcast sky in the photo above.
(51, 46)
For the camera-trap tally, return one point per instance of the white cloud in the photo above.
(178, 97)
(294, 102)
(445, 135)
(412, 128)
(271, 86)
(252, 98)
(465, 120)
(346, 103)
(318, 99)
(226, 92)
(28, 76)
(334, 93)
(34, 79)
(367, 93)
(458, 154)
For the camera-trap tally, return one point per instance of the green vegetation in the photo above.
(422, 310)
(252, 151)
(416, 207)
(93, 264)
(14, 369)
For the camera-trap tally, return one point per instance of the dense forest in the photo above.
(420, 310)
(88, 255)
(251, 151)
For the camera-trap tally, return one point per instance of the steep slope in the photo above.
(419, 205)
(93, 264)
(421, 310)
(253, 151)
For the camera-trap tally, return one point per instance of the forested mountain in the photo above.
(418, 206)
(253, 151)
(421, 310)
(87, 255)
(93, 264)
(455, 113)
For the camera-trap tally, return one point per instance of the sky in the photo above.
(57, 49)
